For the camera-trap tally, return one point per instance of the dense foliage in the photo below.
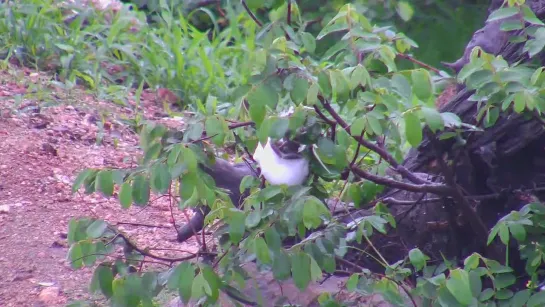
(360, 102)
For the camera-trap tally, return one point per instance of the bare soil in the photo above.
(42, 149)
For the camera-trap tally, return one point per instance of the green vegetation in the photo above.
(349, 66)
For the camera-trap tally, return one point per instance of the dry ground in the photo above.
(40, 155)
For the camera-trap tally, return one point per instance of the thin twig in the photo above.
(170, 207)
(145, 252)
(139, 225)
(243, 2)
(410, 58)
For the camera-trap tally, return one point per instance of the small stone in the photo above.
(4, 208)
(49, 295)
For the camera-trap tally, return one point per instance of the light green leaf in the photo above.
(300, 269)
(273, 239)
(538, 299)
(140, 190)
(417, 258)
(253, 219)
(215, 128)
(502, 13)
(257, 113)
(315, 271)
(96, 229)
(105, 278)
(263, 95)
(405, 10)
(80, 179)
(422, 85)
(312, 94)
(300, 90)
(105, 182)
(160, 178)
(125, 195)
(261, 250)
(413, 129)
(309, 42)
(357, 126)
(236, 221)
(458, 286)
(433, 119)
(281, 265)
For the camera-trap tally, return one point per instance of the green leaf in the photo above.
(417, 258)
(300, 269)
(471, 262)
(273, 239)
(300, 90)
(278, 128)
(504, 233)
(105, 279)
(125, 195)
(520, 102)
(475, 283)
(213, 280)
(315, 271)
(262, 251)
(186, 275)
(281, 265)
(357, 126)
(504, 280)
(257, 113)
(105, 182)
(80, 179)
(433, 119)
(236, 225)
(140, 190)
(160, 178)
(309, 42)
(352, 282)
(405, 10)
(458, 286)
(529, 16)
(413, 130)
(535, 45)
(502, 13)
(422, 85)
(263, 95)
(312, 94)
(518, 231)
(313, 210)
(486, 294)
(215, 128)
(75, 254)
(520, 298)
(360, 76)
(253, 219)
(96, 229)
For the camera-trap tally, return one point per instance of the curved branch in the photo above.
(380, 151)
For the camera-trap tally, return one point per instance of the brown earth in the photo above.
(40, 155)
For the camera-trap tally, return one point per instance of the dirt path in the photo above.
(40, 155)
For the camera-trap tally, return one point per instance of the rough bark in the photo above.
(498, 169)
